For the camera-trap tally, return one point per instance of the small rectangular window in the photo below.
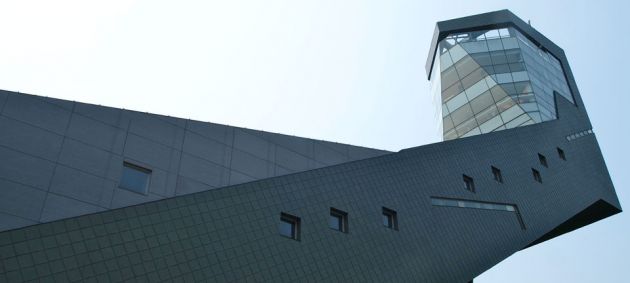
(135, 178)
(561, 154)
(496, 173)
(536, 175)
(543, 160)
(338, 220)
(390, 218)
(469, 184)
(290, 226)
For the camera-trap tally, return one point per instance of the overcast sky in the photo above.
(345, 71)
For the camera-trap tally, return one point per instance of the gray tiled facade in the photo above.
(216, 195)
(63, 159)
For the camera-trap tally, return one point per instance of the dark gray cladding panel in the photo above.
(232, 233)
(64, 159)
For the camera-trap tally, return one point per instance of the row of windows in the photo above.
(469, 183)
(290, 225)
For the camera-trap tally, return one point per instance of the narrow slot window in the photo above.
(290, 226)
(536, 175)
(469, 184)
(496, 173)
(543, 160)
(338, 220)
(561, 154)
(390, 218)
(135, 178)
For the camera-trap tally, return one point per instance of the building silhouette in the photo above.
(92, 193)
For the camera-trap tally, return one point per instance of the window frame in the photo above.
(392, 218)
(132, 166)
(295, 223)
(469, 183)
(342, 216)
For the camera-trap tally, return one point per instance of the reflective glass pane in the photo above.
(462, 114)
(482, 102)
(135, 178)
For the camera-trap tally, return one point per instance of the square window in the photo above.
(543, 160)
(290, 226)
(561, 154)
(135, 178)
(469, 184)
(536, 175)
(390, 218)
(496, 173)
(338, 220)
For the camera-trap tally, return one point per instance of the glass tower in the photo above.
(491, 80)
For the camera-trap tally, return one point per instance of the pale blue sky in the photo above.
(346, 71)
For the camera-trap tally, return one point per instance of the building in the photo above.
(91, 193)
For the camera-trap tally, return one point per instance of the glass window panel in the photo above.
(529, 107)
(504, 32)
(498, 93)
(513, 55)
(473, 78)
(511, 113)
(501, 68)
(287, 228)
(462, 114)
(457, 102)
(487, 114)
(482, 102)
(135, 178)
(466, 126)
(492, 34)
(520, 76)
(517, 121)
(477, 89)
(466, 66)
(509, 88)
(505, 104)
(491, 124)
(445, 110)
(335, 222)
(510, 43)
(450, 135)
(472, 132)
(498, 57)
(482, 59)
(523, 87)
(447, 123)
(449, 77)
(504, 78)
(495, 44)
(454, 90)
(387, 220)
(445, 61)
(475, 46)
(490, 82)
(457, 53)
(517, 67)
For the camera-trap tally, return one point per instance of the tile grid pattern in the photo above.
(74, 154)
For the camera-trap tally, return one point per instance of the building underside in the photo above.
(91, 193)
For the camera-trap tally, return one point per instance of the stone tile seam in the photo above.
(128, 158)
(6, 99)
(56, 163)
(151, 140)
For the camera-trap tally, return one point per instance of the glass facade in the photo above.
(492, 80)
